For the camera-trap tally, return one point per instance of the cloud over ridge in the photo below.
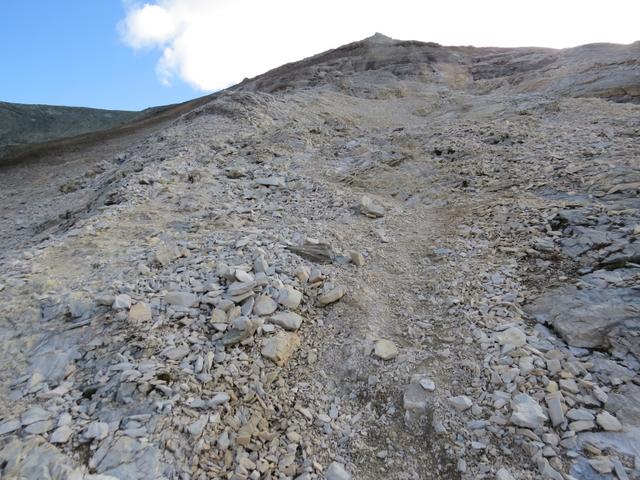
(212, 44)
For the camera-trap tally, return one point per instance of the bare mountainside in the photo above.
(390, 260)
(22, 124)
(29, 132)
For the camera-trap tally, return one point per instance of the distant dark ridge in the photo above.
(141, 120)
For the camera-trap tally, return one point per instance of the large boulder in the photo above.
(584, 318)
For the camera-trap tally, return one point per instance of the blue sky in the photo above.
(69, 52)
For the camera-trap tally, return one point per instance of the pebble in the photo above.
(181, 299)
(121, 302)
(336, 471)
(264, 305)
(61, 434)
(287, 320)
(196, 428)
(461, 403)
(511, 338)
(554, 407)
(96, 431)
(504, 474)
(177, 353)
(357, 258)
(9, 426)
(608, 422)
(369, 208)
(385, 349)
(527, 412)
(280, 347)
(427, 384)
(332, 295)
(140, 312)
(289, 298)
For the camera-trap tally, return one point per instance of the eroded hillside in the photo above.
(391, 260)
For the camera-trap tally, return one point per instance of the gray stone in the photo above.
(264, 305)
(270, 181)
(280, 347)
(196, 428)
(511, 338)
(314, 252)
(177, 353)
(61, 434)
(289, 297)
(554, 408)
(357, 258)
(41, 427)
(181, 299)
(121, 302)
(608, 422)
(287, 320)
(35, 414)
(461, 403)
(369, 208)
(527, 412)
(585, 317)
(332, 295)
(9, 426)
(140, 312)
(504, 474)
(96, 430)
(336, 471)
(385, 349)
(240, 288)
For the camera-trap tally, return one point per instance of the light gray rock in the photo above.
(287, 320)
(461, 403)
(181, 299)
(385, 349)
(271, 181)
(369, 208)
(240, 288)
(41, 427)
(527, 412)
(608, 422)
(61, 434)
(96, 431)
(35, 414)
(177, 353)
(511, 338)
(121, 302)
(264, 305)
(585, 317)
(580, 414)
(280, 347)
(9, 426)
(336, 471)
(196, 428)
(504, 474)
(332, 295)
(357, 258)
(554, 407)
(140, 312)
(289, 298)
(219, 399)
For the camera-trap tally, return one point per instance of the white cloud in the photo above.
(212, 44)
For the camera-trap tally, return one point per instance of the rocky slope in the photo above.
(391, 260)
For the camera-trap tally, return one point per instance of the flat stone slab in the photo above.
(584, 317)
